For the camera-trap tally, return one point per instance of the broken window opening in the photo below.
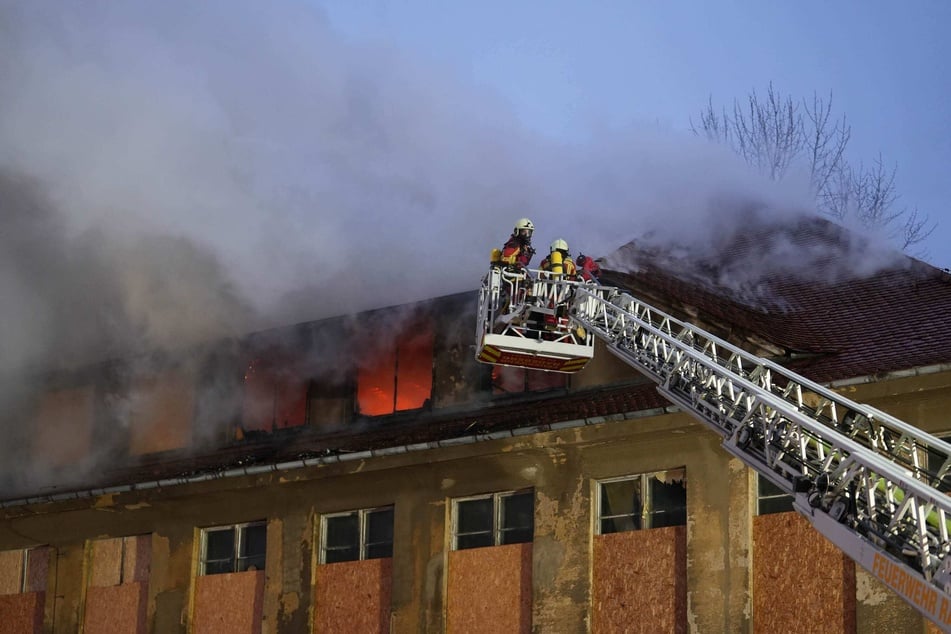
(399, 376)
(649, 500)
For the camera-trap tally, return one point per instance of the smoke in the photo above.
(173, 172)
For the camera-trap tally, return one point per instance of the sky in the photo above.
(573, 69)
(174, 172)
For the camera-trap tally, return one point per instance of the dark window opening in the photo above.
(357, 535)
(236, 548)
(494, 520)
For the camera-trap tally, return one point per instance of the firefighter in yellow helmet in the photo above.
(559, 261)
(518, 250)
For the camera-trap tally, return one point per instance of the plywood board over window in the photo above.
(161, 412)
(23, 581)
(117, 593)
(395, 372)
(63, 426)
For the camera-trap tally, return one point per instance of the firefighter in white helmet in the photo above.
(559, 261)
(518, 250)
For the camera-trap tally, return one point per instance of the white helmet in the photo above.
(559, 245)
(524, 224)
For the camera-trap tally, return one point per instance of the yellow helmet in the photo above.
(559, 245)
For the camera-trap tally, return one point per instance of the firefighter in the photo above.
(517, 251)
(589, 267)
(559, 261)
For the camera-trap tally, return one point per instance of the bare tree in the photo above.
(776, 133)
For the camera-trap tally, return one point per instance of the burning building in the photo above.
(366, 473)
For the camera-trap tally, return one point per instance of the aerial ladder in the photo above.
(873, 485)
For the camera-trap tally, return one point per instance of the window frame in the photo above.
(784, 501)
(422, 327)
(363, 544)
(498, 530)
(239, 531)
(647, 513)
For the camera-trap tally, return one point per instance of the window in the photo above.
(508, 380)
(770, 498)
(275, 396)
(934, 460)
(119, 560)
(397, 375)
(24, 571)
(329, 402)
(363, 534)
(235, 548)
(650, 500)
(494, 520)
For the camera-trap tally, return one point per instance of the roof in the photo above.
(819, 299)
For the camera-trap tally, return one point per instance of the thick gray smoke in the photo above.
(236, 165)
(173, 172)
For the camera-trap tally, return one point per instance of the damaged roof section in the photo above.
(825, 302)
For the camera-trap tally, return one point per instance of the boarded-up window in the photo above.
(63, 424)
(639, 581)
(23, 581)
(161, 411)
(797, 571)
(117, 592)
(397, 374)
(275, 395)
(353, 596)
(24, 571)
(120, 560)
(490, 590)
(229, 603)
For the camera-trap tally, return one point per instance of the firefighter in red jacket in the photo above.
(590, 269)
(518, 251)
(559, 261)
